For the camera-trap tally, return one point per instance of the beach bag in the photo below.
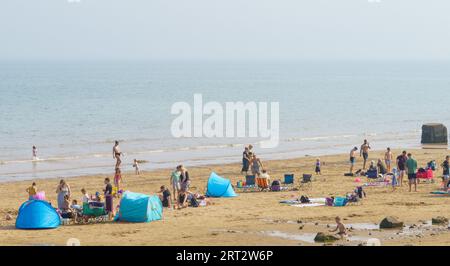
(340, 202)
(276, 186)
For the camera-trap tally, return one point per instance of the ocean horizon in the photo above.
(73, 111)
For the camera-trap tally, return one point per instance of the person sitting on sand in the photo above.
(32, 191)
(340, 227)
(265, 175)
(75, 205)
(85, 198)
(164, 196)
(66, 211)
(137, 171)
(352, 159)
(381, 168)
(372, 166)
(183, 199)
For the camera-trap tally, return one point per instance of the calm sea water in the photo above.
(73, 111)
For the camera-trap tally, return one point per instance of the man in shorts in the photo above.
(401, 165)
(411, 166)
(364, 152)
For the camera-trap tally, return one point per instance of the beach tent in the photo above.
(219, 187)
(37, 214)
(139, 208)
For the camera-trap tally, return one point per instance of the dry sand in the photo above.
(251, 218)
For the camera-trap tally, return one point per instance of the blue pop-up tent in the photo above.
(219, 187)
(37, 214)
(139, 208)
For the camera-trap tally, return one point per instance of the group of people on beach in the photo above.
(251, 162)
(405, 166)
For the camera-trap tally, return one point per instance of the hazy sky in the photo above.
(225, 29)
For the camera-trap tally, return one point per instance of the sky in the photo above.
(225, 29)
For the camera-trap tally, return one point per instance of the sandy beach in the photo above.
(254, 218)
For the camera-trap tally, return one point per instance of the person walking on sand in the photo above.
(34, 153)
(62, 190)
(364, 152)
(388, 157)
(401, 165)
(137, 170)
(117, 153)
(352, 159)
(411, 166)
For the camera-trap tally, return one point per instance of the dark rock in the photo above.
(390, 222)
(434, 134)
(322, 237)
(439, 220)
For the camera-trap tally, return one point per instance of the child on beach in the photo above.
(340, 227)
(318, 164)
(165, 197)
(175, 182)
(136, 167)
(85, 198)
(32, 191)
(117, 178)
(352, 159)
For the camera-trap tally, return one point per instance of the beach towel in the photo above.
(440, 193)
(303, 205)
(298, 202)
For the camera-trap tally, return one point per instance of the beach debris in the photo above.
(391, 222)
(301, 227)
(8, 217)
(299, 221)
(439, 220)
(324, 238)
(373, 242)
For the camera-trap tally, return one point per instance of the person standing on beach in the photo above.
(32, 191)
(185, 181)
(411, 166)
(364, 152)
(62, 190)
(388, 157)
(446, 171)
(245, 161)
(256, 165)
(352, 159)
(34, 152)
(117, 153)
(175, 183)
(401, 165)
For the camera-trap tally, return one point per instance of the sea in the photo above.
(73, 111)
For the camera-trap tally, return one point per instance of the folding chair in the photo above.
(262, 183)
(289, 179)
(306, 180)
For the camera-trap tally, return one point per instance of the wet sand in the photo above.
(251, 218)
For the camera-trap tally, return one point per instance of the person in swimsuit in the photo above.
(256, 165)
(388, 157)
(175, 182)
(117, 153)
(364, 152)
(352, 159)
(35, 158)
(118, 178)
(340, 228)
